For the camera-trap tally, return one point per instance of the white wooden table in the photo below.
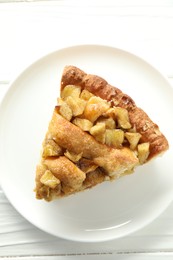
(30, 29)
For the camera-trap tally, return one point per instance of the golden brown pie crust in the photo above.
(98, 86)
(57, 175)
(75, 140)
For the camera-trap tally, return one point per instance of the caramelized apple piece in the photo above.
(122, 117)
(72, 156)
(98, 131)
(109, 122)
(133, 139)
(50, 148)
(64, 110)
(84, 124)
(86, 95)
(143, 152)
(114, 137)
(70, 90)
(77, 105)
(95, 107)
(49, 179)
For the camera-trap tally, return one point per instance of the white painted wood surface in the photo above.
(30, 29)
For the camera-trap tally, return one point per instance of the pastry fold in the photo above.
(72, 138)
(96, 133)
(139, 119)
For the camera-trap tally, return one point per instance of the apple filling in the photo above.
(108, 125)
(64, 169)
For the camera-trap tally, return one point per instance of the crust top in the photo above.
(138, 118)
(96, 133)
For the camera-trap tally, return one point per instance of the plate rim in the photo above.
(91, 45)
(10, 88)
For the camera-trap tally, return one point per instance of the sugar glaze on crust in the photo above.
(138, 118)
(73, 159)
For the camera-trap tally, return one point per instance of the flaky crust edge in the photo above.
(139, 119)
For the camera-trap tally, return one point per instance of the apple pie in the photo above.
(96, 134)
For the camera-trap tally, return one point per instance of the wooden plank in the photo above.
(96, 257)
(145, 30)
(18, 235)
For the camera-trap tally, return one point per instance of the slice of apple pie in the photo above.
(96, 134)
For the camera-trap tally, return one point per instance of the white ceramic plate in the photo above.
(110, 210)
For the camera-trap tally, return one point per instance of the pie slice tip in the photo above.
(97, 133)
